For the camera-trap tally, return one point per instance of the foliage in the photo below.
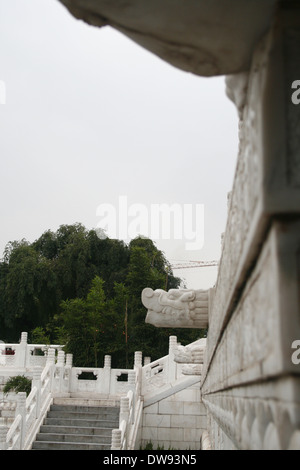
(19, 383)
(74, 288)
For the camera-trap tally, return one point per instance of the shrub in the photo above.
(19, 383)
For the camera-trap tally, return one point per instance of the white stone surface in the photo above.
(203, 37)
(177, 308)
(177, 421)
(250, 385)
(192, 353)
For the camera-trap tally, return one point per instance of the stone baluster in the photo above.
(106, 375)
(69, 360)
(107, 362)
(51, 356)
(21, 410)
(21, 351)
(116, 439)
(60, 359)
(36, 382)
(67, 373)
(172, 366)
(60, 365)
(132, 387)
(147, 360)
(124, 415)
(138, 358)
(131, 380)
(3, 434)
(51, 362)
(124, 409)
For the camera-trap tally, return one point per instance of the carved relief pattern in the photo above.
(192, 353)
(247, 345)
(177, 308)
(242, 205)
(251, 419)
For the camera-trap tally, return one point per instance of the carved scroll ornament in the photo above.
(192, 353)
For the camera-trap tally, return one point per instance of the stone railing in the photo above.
(30, 411)
(60, 379)
(157, 373)
(121, 437)
(25, 356)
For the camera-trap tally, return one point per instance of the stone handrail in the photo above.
(23, 354)
(30, 412)
(122, 437)
(59, 378)
(13, 438)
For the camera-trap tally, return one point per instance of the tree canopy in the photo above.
(84, 291)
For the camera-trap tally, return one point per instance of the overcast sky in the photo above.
(90, 116)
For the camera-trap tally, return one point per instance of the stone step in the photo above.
(61, 414)
(96, 423)
(48, 429)
(87, 409)
(40, 445)
(77, 425)
(88, 401)
(81, 438)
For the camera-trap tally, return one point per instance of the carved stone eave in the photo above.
(177, 308)
(203, 37)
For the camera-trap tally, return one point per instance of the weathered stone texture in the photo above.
(250, 384)
(256, 343)
(262, 189)
(205, 38)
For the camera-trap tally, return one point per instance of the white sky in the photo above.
(90, 116)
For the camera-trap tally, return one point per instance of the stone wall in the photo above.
(250, 385)
(175, 422)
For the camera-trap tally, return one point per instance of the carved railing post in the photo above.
(51, 362)
(138, 358)
(21, 410)
(172, 364)
(124, 409)
(51, 356)
(59, 371)
(106, 375)
(124, 418)
(60, 358)
(21, 351)
(67, 373)
(147, 360)
(36, 382)
(133, 387)
(69, 360)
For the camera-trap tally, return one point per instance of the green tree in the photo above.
(28, 290)
(72, 287)
(91, 326)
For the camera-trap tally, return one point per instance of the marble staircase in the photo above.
(78, 424)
